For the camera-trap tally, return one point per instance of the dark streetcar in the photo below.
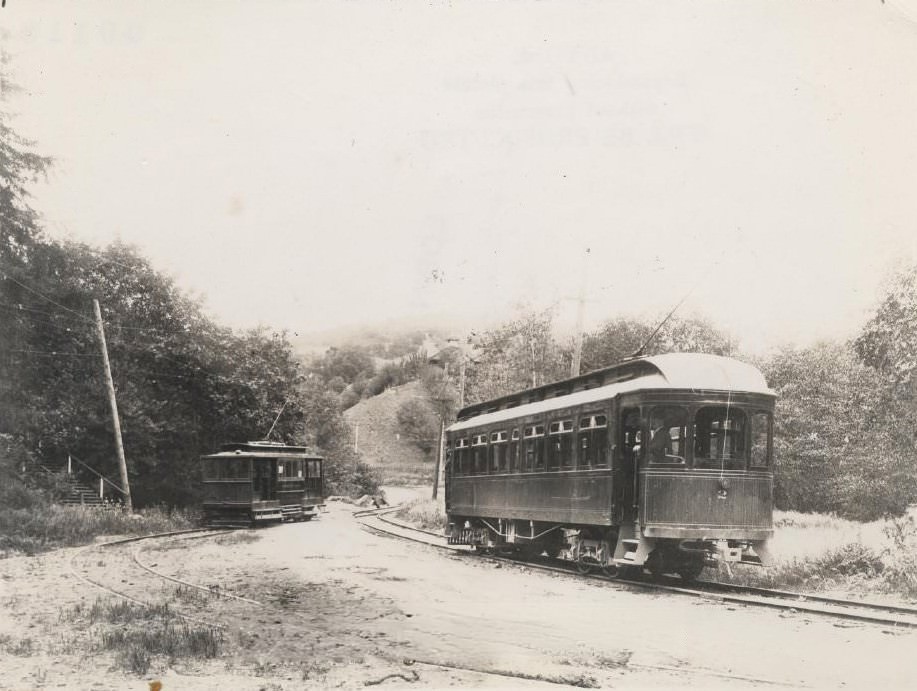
(261, 482)
(663, 463)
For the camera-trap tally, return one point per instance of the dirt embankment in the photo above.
(380, 442)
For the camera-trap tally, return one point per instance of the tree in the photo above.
(620, 338)
(349, 363)
(419, 424)
(834, 449)
(19, 167)
(516, 355)
(327, 432)
(184, 384)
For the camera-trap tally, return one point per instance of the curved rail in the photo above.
(206, 532)
(851, 610)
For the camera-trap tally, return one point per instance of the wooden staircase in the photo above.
(79, 494)
(71, 491)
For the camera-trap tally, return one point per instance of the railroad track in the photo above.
(894, 616)
(112, 549)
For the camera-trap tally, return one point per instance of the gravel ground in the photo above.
(343, 608)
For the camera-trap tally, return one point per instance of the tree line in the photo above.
(185, 384)
(846, 411)
(845, 421)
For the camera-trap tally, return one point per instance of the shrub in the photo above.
(419, 424)
(39, 529)
(835, 567)
(429, 514)
(901, 558)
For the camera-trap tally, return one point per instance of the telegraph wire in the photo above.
(42, 295)
(19, 307)
(47, 353)
(71, 328)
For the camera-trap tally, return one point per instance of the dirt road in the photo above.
(340, 607)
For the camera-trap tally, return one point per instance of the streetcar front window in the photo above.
(760, 440)
(668, 426)
(719, 438)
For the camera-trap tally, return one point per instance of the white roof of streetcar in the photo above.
(688, 371)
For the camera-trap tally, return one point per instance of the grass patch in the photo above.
(817, 552)
(843, 567)
(24, 647)
(901, 557)
(429, 514)
(237, 538)
(42, 528)
(137, 647)
(138, 634)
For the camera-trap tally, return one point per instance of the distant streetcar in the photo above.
(663, 463)
(260, 482)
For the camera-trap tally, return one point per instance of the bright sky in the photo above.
(314, 164)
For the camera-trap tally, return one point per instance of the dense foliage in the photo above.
(184, 384)
(846, 414)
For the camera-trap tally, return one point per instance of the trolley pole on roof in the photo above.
(116, 424)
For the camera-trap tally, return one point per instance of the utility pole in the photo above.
(532, 346)
(462, 384)
(116, 423)
(439, 456)
(580, 310)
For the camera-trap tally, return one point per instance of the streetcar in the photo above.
(260, 482)
(663, 463)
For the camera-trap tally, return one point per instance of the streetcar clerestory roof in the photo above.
(688, 371)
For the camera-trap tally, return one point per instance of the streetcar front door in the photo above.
(265, 480)
(627, 464)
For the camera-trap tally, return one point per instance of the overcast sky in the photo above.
(312, 164)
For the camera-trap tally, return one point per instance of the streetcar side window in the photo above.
(479, 453)
(668, 430)
(534, 447)
(719, 437)
(592, 441)
(498, 452)
(560, 445)
(463, 466)
(513, 453)
(761, 435)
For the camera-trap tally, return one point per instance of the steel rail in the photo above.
(851, 610)
(805, 597)
(71, 563)
(543, 567)
(135, 553)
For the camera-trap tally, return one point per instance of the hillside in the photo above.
(379, 441)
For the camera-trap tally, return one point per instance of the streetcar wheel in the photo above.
(690, 572)
(631, 572)
(529, 551)
(656, 565)
(553, 552)
(584, 567)
(610, 571)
